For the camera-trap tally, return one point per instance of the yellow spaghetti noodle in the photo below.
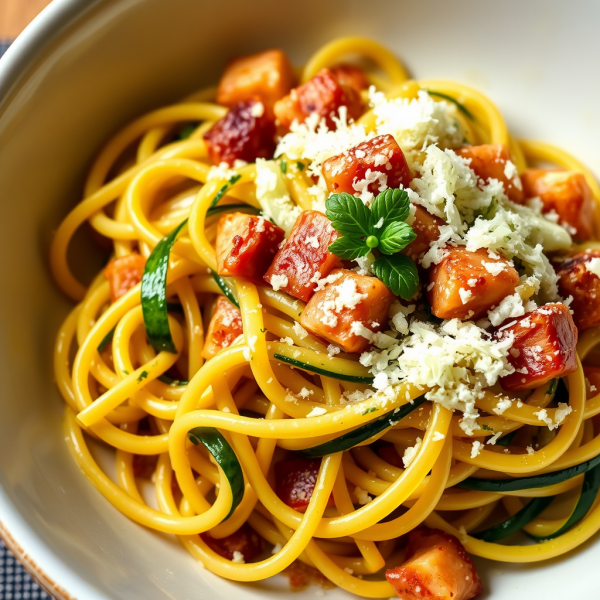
(133, 198)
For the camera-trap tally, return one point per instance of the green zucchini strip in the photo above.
(154, 293)
(224, 189)
(106, 340)
(507, 439)
(589, 491)
(363, 433)
(170, 381)
(463, 109)
(223, 453)
(528, 483)
(227, 291)
(320, 371)
(516, 522)
(237, 207)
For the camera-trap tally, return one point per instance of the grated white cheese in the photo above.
(257, 110)
(510, 307)
(464, 295)
(278, 281)
(332, 350)
(593, 266)
(272, 195)
(317, 411)
(454, 361)
(238, 557)
(300, 331)
(362, 496)
(476, 448)
(438, 436)
(411, 452)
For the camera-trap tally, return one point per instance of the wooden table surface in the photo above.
(15, 14)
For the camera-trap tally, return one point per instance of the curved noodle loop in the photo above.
(207, 427)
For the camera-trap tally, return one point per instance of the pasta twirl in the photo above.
(397, 444)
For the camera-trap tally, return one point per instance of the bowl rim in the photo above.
(15, 64)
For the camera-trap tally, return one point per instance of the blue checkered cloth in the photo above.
(15, 582)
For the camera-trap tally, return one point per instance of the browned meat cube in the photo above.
(225, 326)
(437, 567)
(304, 255)
(575, 279)
(123, 273)
(267, 76)
(246, 246)
(374, 166)
(465, 285)
(351, 75)
(544, 347)
(427, 228)
(347, 309)
(565, 192)
(246, 132)
(323, 95)
(491, 161)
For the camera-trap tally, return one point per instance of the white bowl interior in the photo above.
(86, 68)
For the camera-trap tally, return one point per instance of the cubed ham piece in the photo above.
(295, 480)
(348, 310)
(123, 273)
(427, 228)
(246, 132)
(351, 75)
(246, 246)
(544, 347)
(323, 95)
(267, 76)
(372, 166)
(465, 285)
(304, 256)
(577, 280)
(568, 194)
(245, 544)
(437, 567)
(225, 326)
(492, 161)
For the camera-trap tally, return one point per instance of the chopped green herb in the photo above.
(187, 131)
(300, 166)
(283, 166)
(232, 180)
(486, 427)
(370, 410)
(380, 227)
(143, 375)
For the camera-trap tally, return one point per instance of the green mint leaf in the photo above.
(391, 206)
(399, 273)
(395, 237)
(349, 248)
(348, 215)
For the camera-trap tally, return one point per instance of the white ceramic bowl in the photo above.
(84, 68)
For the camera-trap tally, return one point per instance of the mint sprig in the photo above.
(380, 228)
